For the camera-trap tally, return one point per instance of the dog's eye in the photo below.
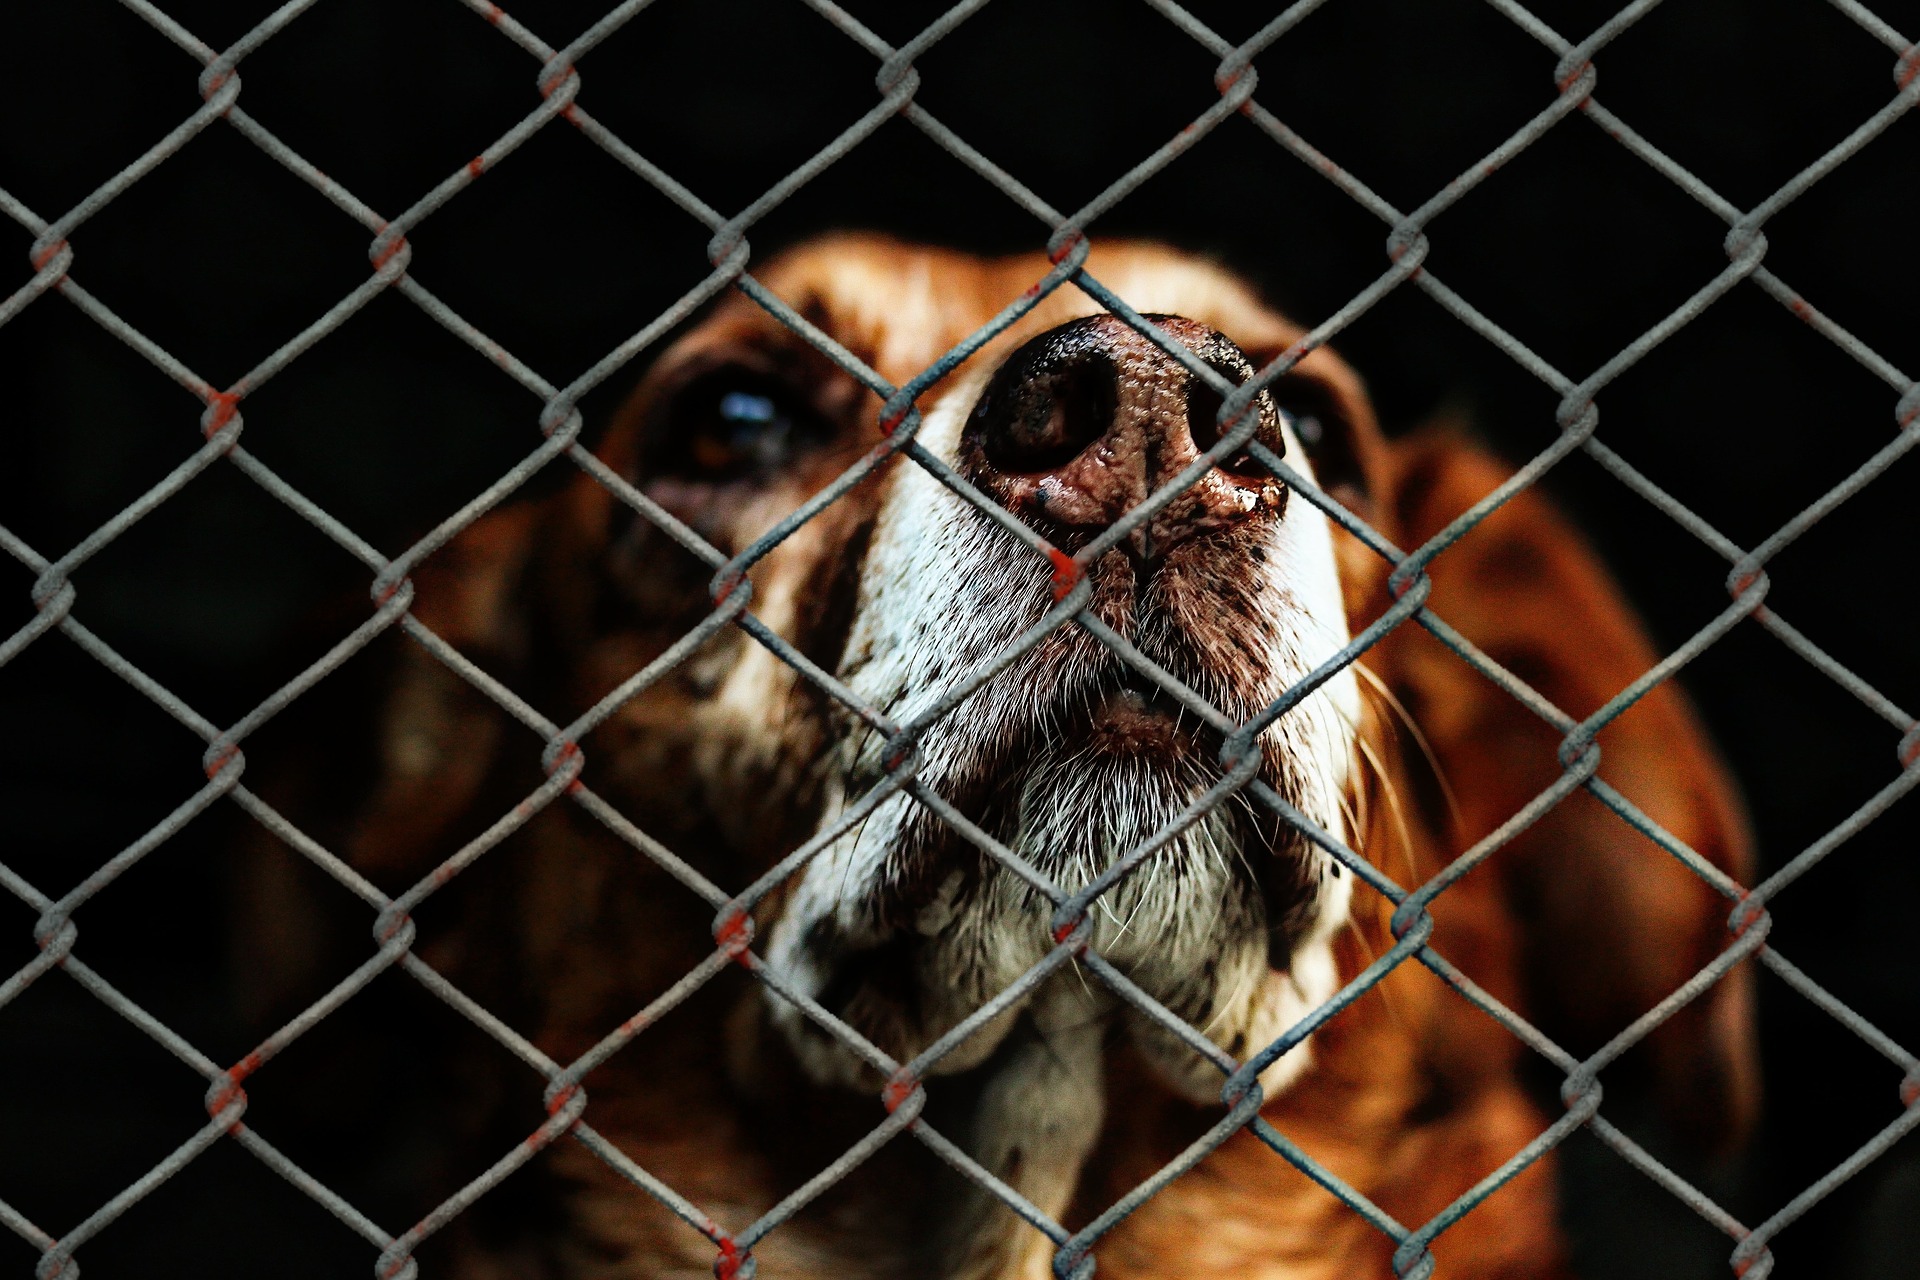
(735, 425)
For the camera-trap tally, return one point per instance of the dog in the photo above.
(1066, 755)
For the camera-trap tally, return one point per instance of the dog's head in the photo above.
(909, 592)
(917, 598)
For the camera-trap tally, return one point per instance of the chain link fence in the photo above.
(57, 267)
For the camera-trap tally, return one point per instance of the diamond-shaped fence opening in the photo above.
(552, 235)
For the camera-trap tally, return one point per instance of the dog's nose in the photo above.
(1084, 422)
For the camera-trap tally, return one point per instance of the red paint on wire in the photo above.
(1066, 574)
(898, 1090)
(224, 405)
(735, 933)
(386, 255)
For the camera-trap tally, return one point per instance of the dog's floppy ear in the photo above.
(1608, 923)
(382, 770)
(437, 735)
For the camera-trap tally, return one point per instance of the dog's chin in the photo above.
(1136, 722)
(1224, 923)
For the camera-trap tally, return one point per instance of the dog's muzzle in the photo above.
(1069, 756)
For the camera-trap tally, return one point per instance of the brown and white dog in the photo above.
(901, 927)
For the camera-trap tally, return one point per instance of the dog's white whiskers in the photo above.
(1391, 793)
(1386, 695)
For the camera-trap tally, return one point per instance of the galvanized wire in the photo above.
(53, 259)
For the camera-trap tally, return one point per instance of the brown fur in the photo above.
(1414, 1096)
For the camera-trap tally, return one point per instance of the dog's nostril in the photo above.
(1042, 421)
(1203, 424)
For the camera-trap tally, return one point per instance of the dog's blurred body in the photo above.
(1240, 926)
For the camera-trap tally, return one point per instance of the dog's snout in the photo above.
(1087, 420)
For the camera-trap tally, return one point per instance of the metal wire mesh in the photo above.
(560, 424)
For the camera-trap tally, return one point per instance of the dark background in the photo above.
(1577, 247)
